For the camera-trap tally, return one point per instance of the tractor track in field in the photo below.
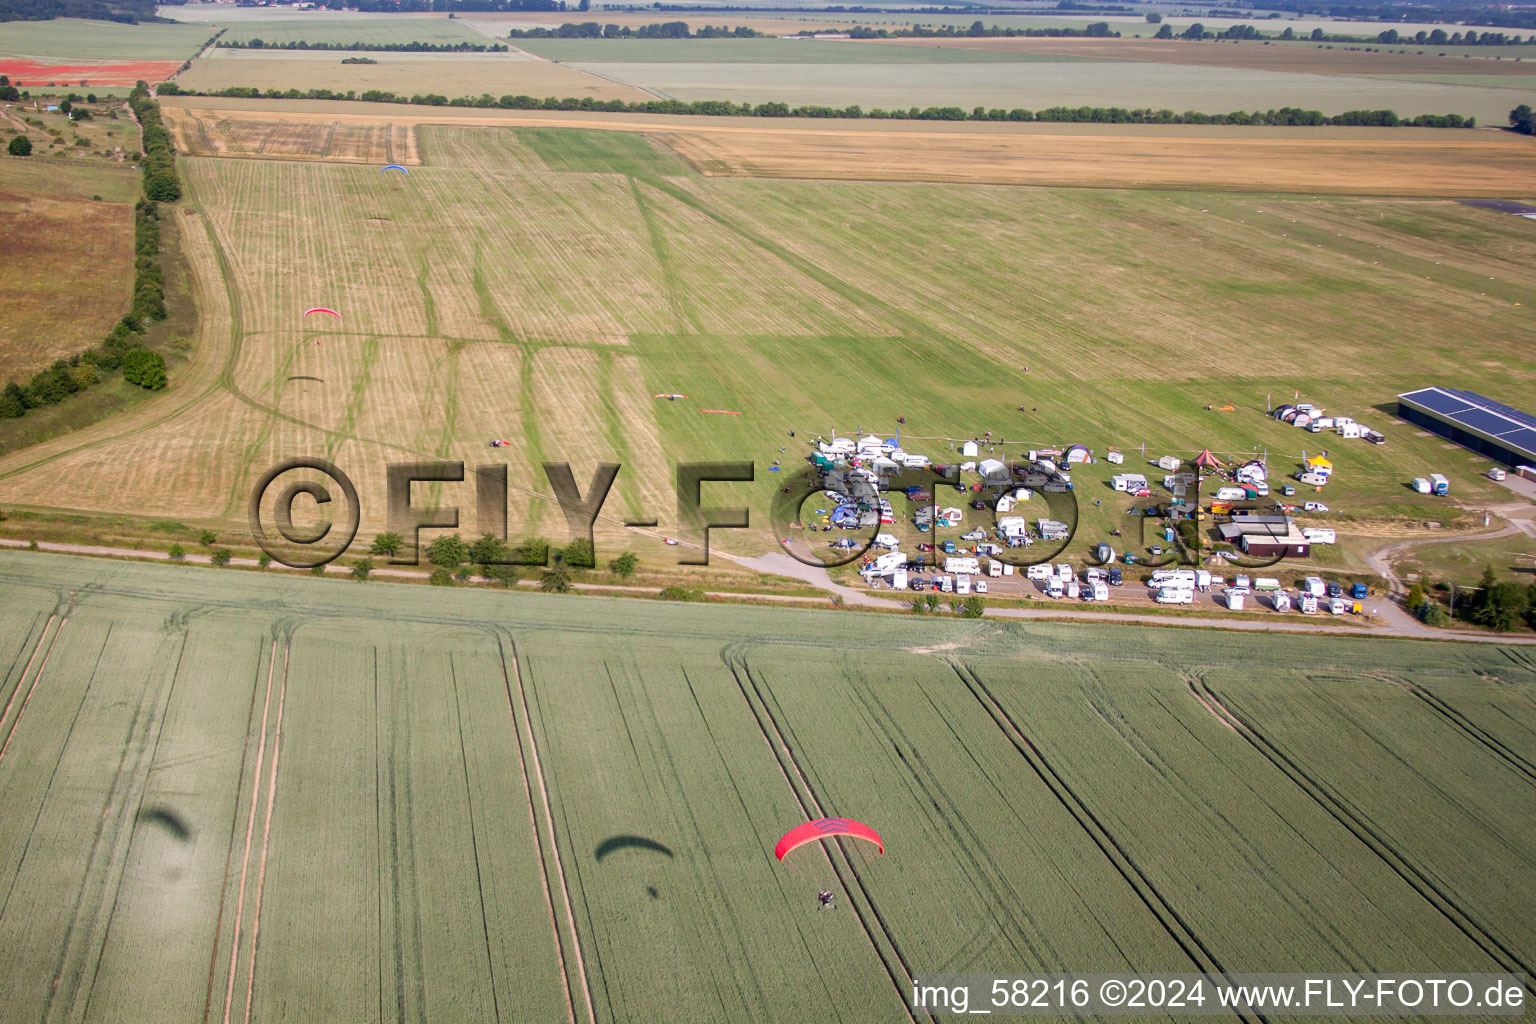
(21, 679)
(520, 701)
(810, 806)
(474, 841)
(1516, 762)
(1373, 840)
(1179, 930)
(234, 821)
(266, 836)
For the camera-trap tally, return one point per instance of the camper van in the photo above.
(963, 586)
(1314, 585)
(890, 562)
(1039, 571)
(1308, 604)
(1422, 485)
(1497, 474)
(1336, 606)
(1319, 535)
(1055, 587)
(1175, 595)
(1281, 601)
(1099, 591)
(964, 566)
(1441, 485)
(1235, 598)
(1312, 479)
(946, 584)
(916, 461)
(1171, 577)
(1266, 583)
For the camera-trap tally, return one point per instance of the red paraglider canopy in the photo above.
(322, 309)
(823, 828)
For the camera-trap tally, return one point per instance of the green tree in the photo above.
(1415, 597)
(264, 560)
(1154, 18)
(208, 538)
(13, 402)
(220, 558)
(973, 607)
(448, 552)
(932, 601)
(502, 573)
(624, 565)
(361, 568)
(385, 544)
(918, 606)
(144, 368)
(1521, 119)
(1435, 614)
(441, 577)
(1485, 584)
(488, 550)
(1503, 606)
(1195, 31)
(163, 186)
(1164, 32)
(579, 554)
(20, 146)
(177, 551)
(557, 578)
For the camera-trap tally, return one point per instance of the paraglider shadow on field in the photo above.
(169, 820)
(627, 842)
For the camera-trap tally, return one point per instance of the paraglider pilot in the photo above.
(825, 899)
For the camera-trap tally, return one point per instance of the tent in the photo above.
(1077, 453)
(1320, 465)
(1205, 460)
(992, 469)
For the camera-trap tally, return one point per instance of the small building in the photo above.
(1266, 537)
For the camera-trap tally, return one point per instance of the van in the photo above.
(1497, 474)
(1040, 571)
(981, 586)
(1308, 604)
(916, 461)
(1336, 606)
(1315, 586)
(1312, 479)
(1235, 598)
(1266, 583)
(1422, 485)
(1055, 587)
(963, 586)
(1175, 595)
(946, 584)
(967, 566)
(1319, 535)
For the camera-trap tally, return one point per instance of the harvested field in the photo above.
(449, 75)
(174, 744)
(766, 51)
(204, 133)
(1480, 165)
(377, 31)
(68, 278)
(1305, 58)
(30, 73)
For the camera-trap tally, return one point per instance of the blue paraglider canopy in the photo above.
(395, 167)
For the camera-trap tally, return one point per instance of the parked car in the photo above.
(917, 583)
(1334, 590)
(1116, 577)
(1315, 506)
(980, 505)
(974, 535)
(925, 547)
(980, 586)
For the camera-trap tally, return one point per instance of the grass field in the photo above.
(230, 800)
(541, 285)
(70, 277)
(72, 38)
(383, 31)
(449, 75)
(1038, 85)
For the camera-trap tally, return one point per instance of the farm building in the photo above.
(1266, 536)
(1489, 428)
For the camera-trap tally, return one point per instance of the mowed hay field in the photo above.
(448, 74)
(541, 285)
(70, 270)
(226, 802)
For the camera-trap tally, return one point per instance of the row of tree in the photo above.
(453, 559)
(725, 108)
(1093, 30)
(411, 47)
(161, 182)
(660, 30)
(1391, 36)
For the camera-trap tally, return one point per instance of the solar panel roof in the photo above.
(1469, 409)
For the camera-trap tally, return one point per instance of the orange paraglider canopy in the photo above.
(824, 828)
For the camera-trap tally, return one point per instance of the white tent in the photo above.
(992, 469)
(970, 450)
(1077, 453)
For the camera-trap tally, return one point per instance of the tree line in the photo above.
(411, 47)
(661, 30)
(1093, 30)
(122, 348)
(725, 108)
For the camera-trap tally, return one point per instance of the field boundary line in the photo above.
(266, 832)
(1172, 922)
(811, 807)
(229, 853)
(1368, 836)
(538, 842)
(41, 636)
(36, 677)
(250, 827)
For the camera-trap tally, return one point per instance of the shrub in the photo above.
(20, 146)
(441, 577)
(624, 565)
(208, 538)
(144, 368)
(361, 568)
(677, 593)
(177, 551)
(220, 558)
(264, 561)
(317, 570)
(385, 544)
(448, 552)
(973, 607)
(579, 554)
(1434, 614)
